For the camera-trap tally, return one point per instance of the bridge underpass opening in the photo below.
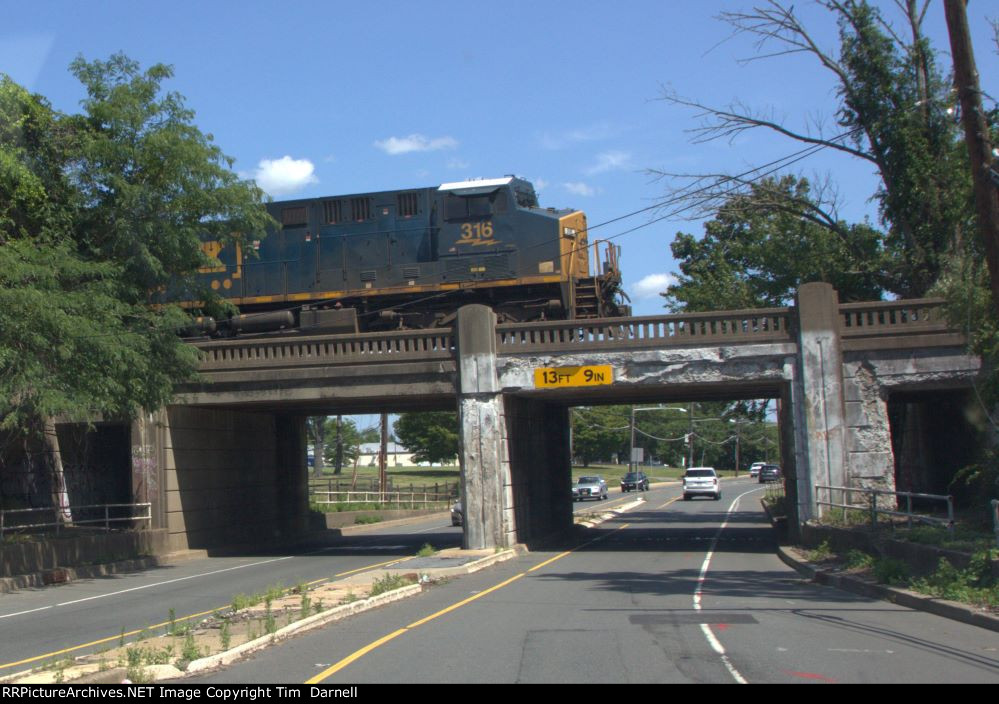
(553, 443)
(934, 435)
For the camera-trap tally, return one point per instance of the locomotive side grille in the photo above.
(409, 204)
(291, 217)
(369, 275)
(360, 209)
(333, 211)
(411, 272)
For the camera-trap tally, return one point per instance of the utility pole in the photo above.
(976, 134)
(383, 456)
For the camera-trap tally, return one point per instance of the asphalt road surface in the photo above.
(670, 592)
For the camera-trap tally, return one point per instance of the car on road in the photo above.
(457, 514)
(754, 468)
(769, 473)
(701, 481)
(589, 488)
(635, 481)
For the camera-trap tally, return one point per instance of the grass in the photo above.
(973, 585)
(427, 550)
(390, 582)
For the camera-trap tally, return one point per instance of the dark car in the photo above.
(635, 481)
(769, 473)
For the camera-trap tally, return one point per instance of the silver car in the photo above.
(589, 488)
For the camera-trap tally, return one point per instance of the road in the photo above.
(42, 625)
(673, 592)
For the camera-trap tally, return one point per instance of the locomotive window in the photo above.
(463, 207)
(293, 217)
(409, 204)
(360, 209)
(333, 211)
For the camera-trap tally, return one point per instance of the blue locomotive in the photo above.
(411, 258)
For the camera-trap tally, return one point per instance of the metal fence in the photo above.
(95, 515)
(408, 498)
(873, 510)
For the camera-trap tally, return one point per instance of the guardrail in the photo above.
(738, 326)
(362, 348)
(862, 323)
(873, 509)
(381, 497)
(106, 520)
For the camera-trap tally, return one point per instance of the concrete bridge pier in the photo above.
(486, 485)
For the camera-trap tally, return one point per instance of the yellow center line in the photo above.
(129, 634)
(358, 654)
(676, 498)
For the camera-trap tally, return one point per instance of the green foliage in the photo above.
(427, 550)
(859, 560)
(432, 436)
(390, 582)
(891, 571)
(820, 554)
(99, 212)
(974, 584)
(762, 245)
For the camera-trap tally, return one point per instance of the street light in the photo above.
(631, 448)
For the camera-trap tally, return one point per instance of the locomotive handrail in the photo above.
(743, 326)
(364, 348)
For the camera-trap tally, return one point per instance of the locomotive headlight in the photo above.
(570, 232)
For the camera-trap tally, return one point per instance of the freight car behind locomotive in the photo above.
(411, 258)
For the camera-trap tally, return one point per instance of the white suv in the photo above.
(701, 481)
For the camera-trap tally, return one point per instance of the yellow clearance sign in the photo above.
(560, 377)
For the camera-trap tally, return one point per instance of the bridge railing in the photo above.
(905, 318)
(738, 326)
(401, 346)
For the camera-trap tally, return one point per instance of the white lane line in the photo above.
(701, 577)
(173, 581)
(29, 611)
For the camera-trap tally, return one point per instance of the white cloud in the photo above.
(610, 161)
(652, 285)
(285, 175)
(394, 146)
(579, 188)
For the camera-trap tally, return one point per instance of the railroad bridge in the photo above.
(226, 463)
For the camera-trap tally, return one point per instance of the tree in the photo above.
(430, 436)
(600, 433)
(762, 245)
(894, 113)
(97, 211)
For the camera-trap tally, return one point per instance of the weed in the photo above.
(859, 560)
(367, 519)
(820, 554)
(349, 598)
(269, 625)
(134, 656)
(137, 675)
(972, 585)
(240, 602)
(427, 551)
(190, 650)
(305, 603)
(172, 627)
(890, 571)
(318, 606)
(225, 635)
(390, 582)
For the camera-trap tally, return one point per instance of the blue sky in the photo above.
(322, 98)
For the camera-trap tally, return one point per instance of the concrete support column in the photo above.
(148, 462)
(817, 394)
(486, 488)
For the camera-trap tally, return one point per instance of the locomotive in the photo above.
(409, 259)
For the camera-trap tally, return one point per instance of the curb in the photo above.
(335, 614)
(612, 513)
(896, 595)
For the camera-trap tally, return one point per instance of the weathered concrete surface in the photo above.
(233, 477)
(486, 485)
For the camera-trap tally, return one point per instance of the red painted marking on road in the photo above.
(721, 626)
(810, 676)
